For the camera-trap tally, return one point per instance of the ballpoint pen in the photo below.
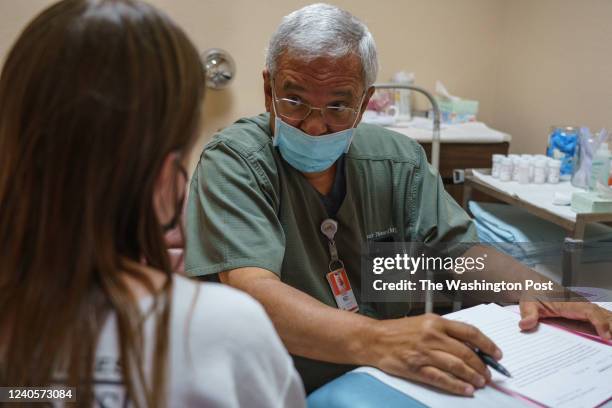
(491, 362)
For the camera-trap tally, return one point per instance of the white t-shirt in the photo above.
(223, 352)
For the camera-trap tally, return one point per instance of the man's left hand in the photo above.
(600, 318)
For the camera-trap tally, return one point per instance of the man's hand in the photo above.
(425, 348)
(600, 318)
(435, 351)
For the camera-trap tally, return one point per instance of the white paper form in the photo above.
(548, 365)
(517, 309)
(487, 397)
(605, 305)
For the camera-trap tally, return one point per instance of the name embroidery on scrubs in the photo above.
(378, 234)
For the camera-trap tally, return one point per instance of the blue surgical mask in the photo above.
(310, 154)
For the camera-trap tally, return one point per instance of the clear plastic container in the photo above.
(403, 97)
(600, 167)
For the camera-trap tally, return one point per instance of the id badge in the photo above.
(341, 288)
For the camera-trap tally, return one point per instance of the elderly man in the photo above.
(282, 203)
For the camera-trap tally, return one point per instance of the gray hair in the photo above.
(323, 30)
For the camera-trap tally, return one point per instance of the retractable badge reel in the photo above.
(337, 277)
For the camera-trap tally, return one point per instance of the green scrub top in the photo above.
(248, 207)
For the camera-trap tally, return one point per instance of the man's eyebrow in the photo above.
(343, 93)
(292, 86)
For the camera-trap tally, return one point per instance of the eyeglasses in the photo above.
(334, 115)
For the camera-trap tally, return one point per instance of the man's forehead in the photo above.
(343, 75)
(290, 85)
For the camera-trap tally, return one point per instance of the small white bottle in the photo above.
(497, 158)
(539, 172)
(600, 167)
(523, 171)
(505, 170)
(532, 162)
(554, 171)
(516, 160)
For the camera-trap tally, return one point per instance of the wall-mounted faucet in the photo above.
(220, 68)
(435, 142)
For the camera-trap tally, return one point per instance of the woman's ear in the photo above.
(169, 189)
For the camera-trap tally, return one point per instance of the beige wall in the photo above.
(529, 63)
(555, 68)
(443, 39)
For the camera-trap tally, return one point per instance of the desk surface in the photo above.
(420, 129)
(537, 199)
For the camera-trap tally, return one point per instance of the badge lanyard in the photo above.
(337, 277)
